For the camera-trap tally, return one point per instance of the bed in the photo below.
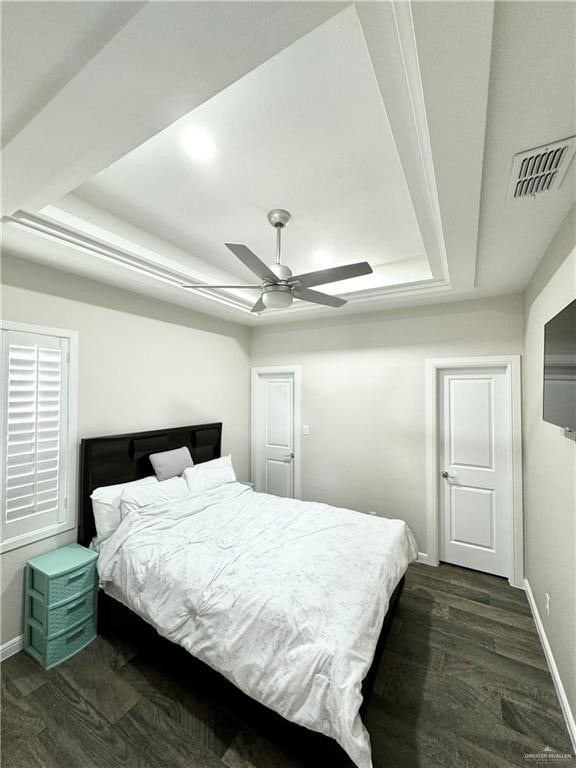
(290, 601)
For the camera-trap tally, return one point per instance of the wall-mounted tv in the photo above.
(560, 368)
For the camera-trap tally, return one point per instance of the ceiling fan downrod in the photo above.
(278, 217)
(278, 243)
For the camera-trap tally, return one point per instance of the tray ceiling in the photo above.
(306, 131)
(133, 163)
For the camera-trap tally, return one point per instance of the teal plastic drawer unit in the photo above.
(60, 615)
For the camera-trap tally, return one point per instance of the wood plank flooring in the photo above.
(463, 684)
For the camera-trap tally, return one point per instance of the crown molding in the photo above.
(72, 238)
(388, 30)
(174, 276)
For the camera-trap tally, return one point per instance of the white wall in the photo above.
(143, 365)
(363, 395)
(550, 464)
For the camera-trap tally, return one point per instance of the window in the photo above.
(38, 429)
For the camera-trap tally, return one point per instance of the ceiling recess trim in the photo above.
(406, 35)
(388, 30)
(45, 228)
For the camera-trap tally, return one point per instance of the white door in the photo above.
(476, 469)
(274, 406)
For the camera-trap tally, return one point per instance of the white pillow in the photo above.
(133, 499)
(210, 474)
(106, 505)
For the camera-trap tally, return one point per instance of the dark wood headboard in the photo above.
(123, 458)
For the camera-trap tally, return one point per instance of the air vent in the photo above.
(541, 169)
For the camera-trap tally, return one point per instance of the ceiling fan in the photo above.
(278, 285)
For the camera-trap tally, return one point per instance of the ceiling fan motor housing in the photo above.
(281, 271)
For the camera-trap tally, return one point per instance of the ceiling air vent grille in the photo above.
(541, 169)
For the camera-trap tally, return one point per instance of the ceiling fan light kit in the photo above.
(277, 296)
(279, 286)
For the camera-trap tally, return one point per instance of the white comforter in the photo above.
(285, 598)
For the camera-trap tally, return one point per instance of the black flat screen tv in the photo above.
(560, 368)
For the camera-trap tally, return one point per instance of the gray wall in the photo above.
(363, 395)
(143, 365)
(550, 464)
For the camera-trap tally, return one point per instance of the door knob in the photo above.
(289, 457)
(445, 474)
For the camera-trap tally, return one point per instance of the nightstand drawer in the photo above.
(61, 604)
(56, 650)
(60, 588)
(56, 620)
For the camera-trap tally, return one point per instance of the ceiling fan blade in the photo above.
(259, 306)
(251, 261)
(304, 294)
(333, 274)
(217, 287)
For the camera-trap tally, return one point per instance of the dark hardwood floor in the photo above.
(463, 684)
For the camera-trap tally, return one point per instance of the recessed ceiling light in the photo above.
(199, 145)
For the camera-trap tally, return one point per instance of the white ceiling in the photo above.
(532, 102)
(306, 131)
(43, 45)
(388, 131)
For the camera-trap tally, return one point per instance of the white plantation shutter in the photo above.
(36, 437)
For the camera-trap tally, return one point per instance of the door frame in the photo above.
(510, 364)
(295, 370)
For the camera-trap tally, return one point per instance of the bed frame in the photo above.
(123, 458)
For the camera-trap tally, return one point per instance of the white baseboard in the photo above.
(11, 647)
(424, 558)
(563, 698)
